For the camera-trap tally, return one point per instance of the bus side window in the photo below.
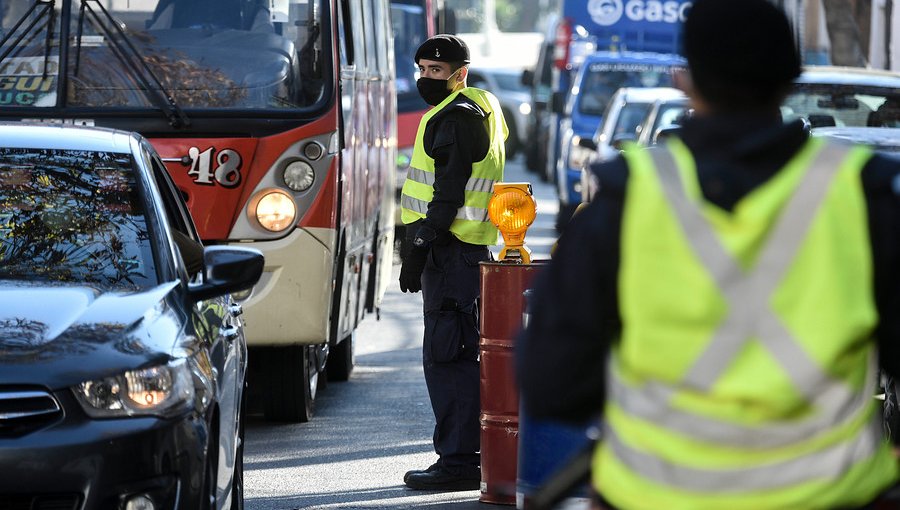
(345, 35)
(381, 26)
(361, 37)
(372, 46)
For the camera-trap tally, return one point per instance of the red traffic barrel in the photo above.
(502, 307)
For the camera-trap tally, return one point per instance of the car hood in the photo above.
(60, 336)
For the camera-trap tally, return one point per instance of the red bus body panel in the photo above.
(214, 205)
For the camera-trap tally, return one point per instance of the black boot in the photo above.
(429, 469)
(445, 479)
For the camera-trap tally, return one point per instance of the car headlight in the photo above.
(578, 156)
(274, 210)
(162, 390)
(524, 108)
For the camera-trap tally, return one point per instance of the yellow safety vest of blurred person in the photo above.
(472, 224)
(746, 370)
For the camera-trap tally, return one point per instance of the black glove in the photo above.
(411, 270)
(414, 254)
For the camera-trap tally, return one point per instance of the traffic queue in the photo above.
(716, 327)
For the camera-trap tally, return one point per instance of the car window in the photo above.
(478, 81)
(73, 217)
(511, 82)
(184, 234)
(843, 105)
(669, 114)
(630, 117)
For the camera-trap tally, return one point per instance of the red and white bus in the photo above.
(277, 120)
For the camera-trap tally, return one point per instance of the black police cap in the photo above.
(744, 42)
(443, 48)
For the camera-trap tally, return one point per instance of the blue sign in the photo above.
(635, 25)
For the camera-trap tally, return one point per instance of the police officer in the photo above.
(722, 302)
(458, 156)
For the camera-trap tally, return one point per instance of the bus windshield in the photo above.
(190, 54)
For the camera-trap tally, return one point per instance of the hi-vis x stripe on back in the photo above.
(834, 402)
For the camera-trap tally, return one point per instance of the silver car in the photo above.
(514, 97)
(829, 96)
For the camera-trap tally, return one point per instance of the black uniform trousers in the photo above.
(450, 289)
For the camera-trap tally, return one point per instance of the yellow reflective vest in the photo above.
(746, 370)
(472, 224)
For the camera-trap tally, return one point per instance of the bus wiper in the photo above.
(46, 10)
(131, 58)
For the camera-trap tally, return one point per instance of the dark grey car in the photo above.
(122, 354)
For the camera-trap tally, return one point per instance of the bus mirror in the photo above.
(280, 11)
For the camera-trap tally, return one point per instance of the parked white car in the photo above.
(630, 111)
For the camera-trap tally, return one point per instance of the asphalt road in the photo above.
(370, 430)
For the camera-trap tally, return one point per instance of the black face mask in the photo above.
(432, 91)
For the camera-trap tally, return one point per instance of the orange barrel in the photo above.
(502, 308)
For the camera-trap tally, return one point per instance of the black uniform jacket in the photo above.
(561, 357)
(455, 137)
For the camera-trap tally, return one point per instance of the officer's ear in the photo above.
(463, 74)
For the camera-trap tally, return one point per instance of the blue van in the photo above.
(618, 27)
(598, 78)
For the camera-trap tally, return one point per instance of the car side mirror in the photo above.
(227, 269)
(587, 143)
(527, 78)
(619, 141)
(558, 102)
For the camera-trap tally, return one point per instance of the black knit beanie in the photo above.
(740, 51)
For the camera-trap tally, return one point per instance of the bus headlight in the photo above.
(299, 175)
(273, 209)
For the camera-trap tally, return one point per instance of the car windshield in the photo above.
(510, 81)
(843, 105)
(72, 217)
(601, 81)
(203, 54)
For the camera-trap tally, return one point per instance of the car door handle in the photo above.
(236, 309)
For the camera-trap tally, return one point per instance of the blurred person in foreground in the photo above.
(722, 302)
(458, 155)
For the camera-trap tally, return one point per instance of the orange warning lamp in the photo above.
(512, 209)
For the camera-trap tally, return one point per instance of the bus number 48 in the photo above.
(227, 171)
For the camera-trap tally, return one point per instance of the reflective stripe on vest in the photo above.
(463, 213)
(473, 184)
(841, 416)
(472, 222)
